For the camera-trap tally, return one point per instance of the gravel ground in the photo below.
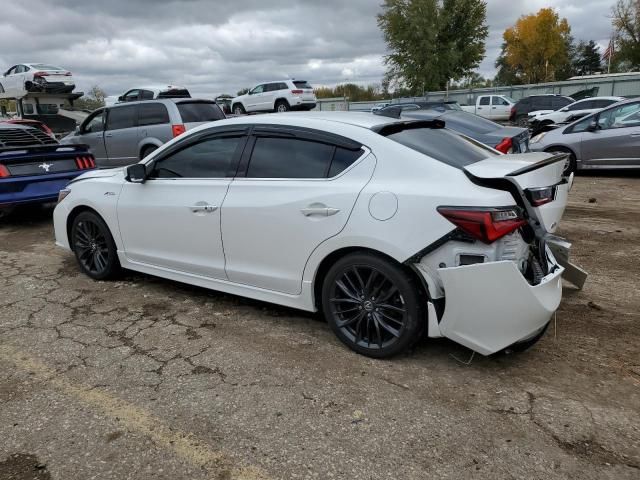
(146, 378)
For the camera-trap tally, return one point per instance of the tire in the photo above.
(376, 328)
(282, 106)
(522, 121)
(526, 344)
(238, 109)
(147, 150)
(94, 247)
(570, 165)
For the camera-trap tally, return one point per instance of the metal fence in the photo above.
(620, 84)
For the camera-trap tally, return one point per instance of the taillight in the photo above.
(540, 196)
(48, 131)
(178, 130)
(505, 146)
(4, 172)
(486, 224)
(84, 162)
(297, 92)
(68, 74)
(512, 113)
(40, 74)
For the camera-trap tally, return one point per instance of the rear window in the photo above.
(44, 66)
(468, 123)
(199, 112)
(175, 93)
(443, 145)
(301, 84)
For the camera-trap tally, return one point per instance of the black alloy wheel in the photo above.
(372, 305)
(94, 247)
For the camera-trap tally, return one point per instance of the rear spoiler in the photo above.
(558, 157)
(396, 127)
(43, 149)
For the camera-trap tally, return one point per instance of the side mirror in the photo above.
(136, 173)
(121, 98)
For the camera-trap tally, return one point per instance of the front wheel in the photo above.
(94, 247)
(373, 305)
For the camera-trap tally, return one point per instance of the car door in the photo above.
(254, 98)
(153, 123)
(121, 135)
(92, 134)
(268, 96)
(10, 81)
(615, 142)
(294, 190)
(172, 221)
(500, 108)
(483, 107)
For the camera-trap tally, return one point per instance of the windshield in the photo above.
(442, 145)
(199, 112)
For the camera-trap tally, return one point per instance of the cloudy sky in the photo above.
(220, 46)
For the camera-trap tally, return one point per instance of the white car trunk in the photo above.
(526, 172)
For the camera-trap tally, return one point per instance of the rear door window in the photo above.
(152, 114)
(199, 112)
(276, 157)
(442, 145)
(484, 100)
(122, 117)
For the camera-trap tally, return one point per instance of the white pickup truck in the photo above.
(493, 107)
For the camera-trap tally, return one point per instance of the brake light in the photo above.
(4, 172)
(297, 92)
(505, 146)
(40, 74)
(84, 162)
(540, 196)
(486, 224)
(512, 113)
(178, 130)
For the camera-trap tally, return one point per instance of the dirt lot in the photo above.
(150, 379)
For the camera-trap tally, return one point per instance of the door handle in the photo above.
(319, 211)
(108, 135)
(203, 208)
(635, 135)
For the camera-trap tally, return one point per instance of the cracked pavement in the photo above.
(148, 378)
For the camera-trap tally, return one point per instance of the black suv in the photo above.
(520, 111)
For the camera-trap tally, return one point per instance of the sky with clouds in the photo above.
(221, 46)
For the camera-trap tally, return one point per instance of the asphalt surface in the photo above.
(144, 378)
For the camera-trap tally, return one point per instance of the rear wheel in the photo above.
(94, 247)
(282, 106)
(522, 121)
(372, 305)
(238, 109)
(570, 164)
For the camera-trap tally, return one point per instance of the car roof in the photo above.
(162, 100)
(158, 88)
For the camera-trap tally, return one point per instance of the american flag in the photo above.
(608, 53)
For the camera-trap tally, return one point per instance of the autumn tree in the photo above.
(536, 46)
(94, 98)
(626, 21)
(432, 41)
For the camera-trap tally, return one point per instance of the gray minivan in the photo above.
(125, 133)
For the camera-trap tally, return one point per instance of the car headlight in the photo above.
(538, 137)
(62, 194)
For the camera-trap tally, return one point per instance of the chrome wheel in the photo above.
(368, 307)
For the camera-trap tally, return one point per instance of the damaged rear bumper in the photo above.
(490, 306)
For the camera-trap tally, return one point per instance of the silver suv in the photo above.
(125, 133)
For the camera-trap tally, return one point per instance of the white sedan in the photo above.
(392, 228)
(24, 78)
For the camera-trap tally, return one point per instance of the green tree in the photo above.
(626, 21)
(506, 75)
(536, 46)
(432, 41)
(587, 61)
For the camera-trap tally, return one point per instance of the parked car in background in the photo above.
(393, 228)
(609, 138)
(36, 77)
(379, 106)
(504, 139)
(279, 96)
(493, 107)
(571, 112)
(520, 111)
(34, 167)
(153, 93)
(30, 123)
(124, 133)
(439, 105)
